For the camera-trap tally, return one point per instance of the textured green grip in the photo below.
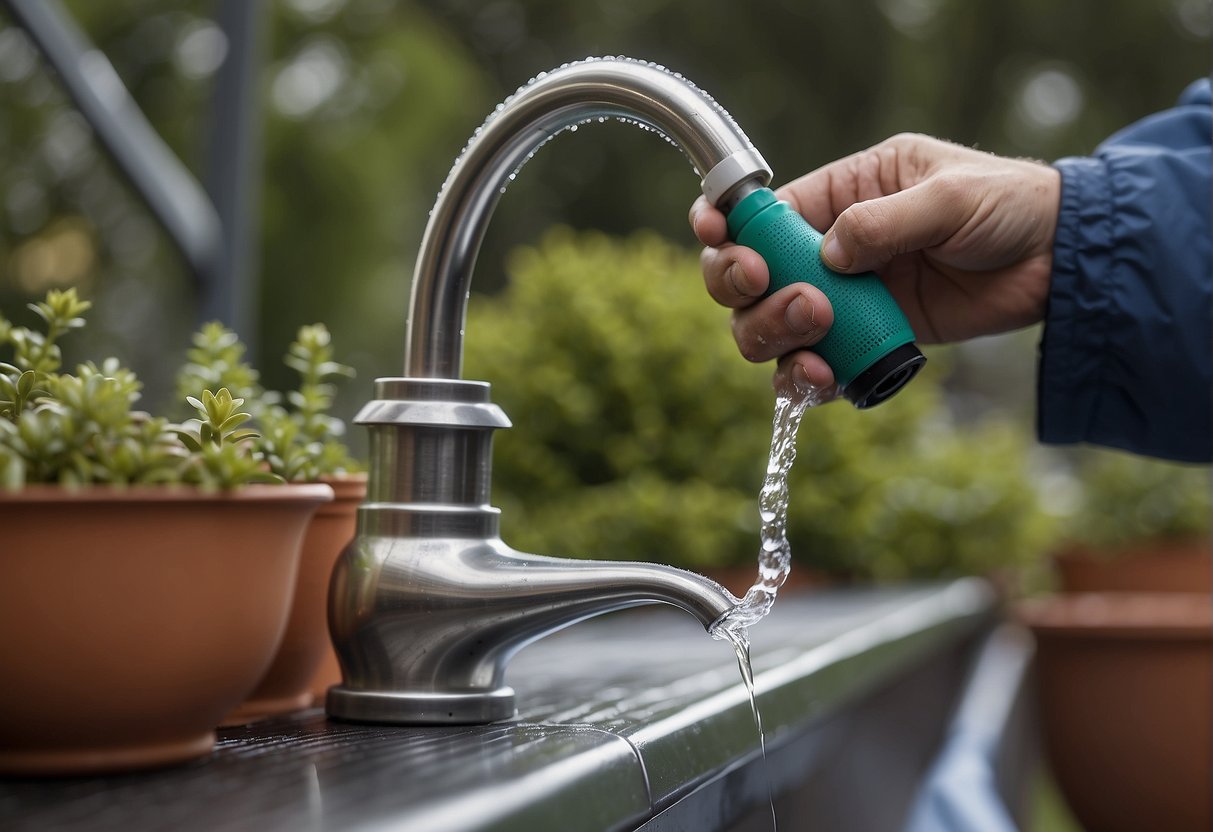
(868, 324)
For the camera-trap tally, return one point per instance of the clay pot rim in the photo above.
(1196, 544)
(255, 493)
(346, 486)
(1119, 615)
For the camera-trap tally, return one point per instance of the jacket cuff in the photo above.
(1079, 311)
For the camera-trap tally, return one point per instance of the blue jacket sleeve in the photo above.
(1127, 353)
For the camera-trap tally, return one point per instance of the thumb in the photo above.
(869, 234)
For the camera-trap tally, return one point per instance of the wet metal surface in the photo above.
(620, 718)
(311, 774)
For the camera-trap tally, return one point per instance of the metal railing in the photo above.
(212, 225)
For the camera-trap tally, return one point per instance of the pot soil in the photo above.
(1126, 682)
(306, 649)
(134, 619)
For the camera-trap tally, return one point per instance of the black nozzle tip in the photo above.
(884, 378)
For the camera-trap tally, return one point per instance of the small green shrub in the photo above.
(640, 433)
(1126, 500)
(216, 359)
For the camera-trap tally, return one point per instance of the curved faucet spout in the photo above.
(575, 93)
(435, 649)
(540, 594)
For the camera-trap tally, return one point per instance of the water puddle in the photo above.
(774, 553)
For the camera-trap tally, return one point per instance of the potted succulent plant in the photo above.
(147, 569)
(1141, 525)
(1125, 651)
(301, 442)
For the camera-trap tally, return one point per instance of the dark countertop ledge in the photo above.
(619, 719)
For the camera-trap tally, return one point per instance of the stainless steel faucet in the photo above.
(427, 604)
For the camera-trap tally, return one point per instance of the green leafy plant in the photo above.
(641, 433)
(218, 421)
(307, 439)
(1125, 501)
(223, 451)
(299, 442)
(81, 428)
(36, 355)
(215, 359)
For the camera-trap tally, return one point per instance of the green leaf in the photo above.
(189, 439)
(232, 422)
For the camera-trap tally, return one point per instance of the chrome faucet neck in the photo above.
(575, 93)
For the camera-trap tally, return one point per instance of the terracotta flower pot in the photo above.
(134, 619)
(1126, 682)
(306, 648)
(1184, 565)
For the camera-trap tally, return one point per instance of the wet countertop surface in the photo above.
(619, 719)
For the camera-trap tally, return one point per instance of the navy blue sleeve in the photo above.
(1126, 358)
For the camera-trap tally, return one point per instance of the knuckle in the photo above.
(901, 141)
(951, 186)
(911, 151)
(905, 143)
(749, 342)
(868, 224)
(709, 264)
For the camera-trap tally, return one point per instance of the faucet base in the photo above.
(429, 708)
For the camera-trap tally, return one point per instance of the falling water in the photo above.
(774, 553)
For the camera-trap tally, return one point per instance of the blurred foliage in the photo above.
(1125, 501)
(640, 433)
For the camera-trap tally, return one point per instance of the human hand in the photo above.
(962, 239)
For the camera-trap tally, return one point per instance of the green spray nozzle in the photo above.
(870, 345)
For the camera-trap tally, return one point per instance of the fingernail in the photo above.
(833, 253)
(801, 379)
(799, 316)
(737, 278)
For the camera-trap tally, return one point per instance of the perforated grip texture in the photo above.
(868, 324)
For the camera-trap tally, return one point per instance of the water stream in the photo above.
(741, 646)
(774, 553)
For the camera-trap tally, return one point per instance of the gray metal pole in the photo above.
(233, 169)
(170, 191)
